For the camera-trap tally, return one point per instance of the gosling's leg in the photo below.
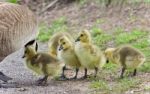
(85, 73)
(96, 70)
(134, 72)
(43, 80)
(63, 77)
(122, 72)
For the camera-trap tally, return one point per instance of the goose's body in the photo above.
(18, 25)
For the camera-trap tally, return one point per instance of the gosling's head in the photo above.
(84, 36)
(29, 49)
(64, 43)
(108, 53)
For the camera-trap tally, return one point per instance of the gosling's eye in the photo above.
(25, 51)
(81, 35)
(64, 43)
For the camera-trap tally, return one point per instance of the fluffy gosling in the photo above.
(41, 63)
(125, 56)
(90, 56)
(67, 54)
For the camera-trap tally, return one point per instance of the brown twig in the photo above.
(49, 6)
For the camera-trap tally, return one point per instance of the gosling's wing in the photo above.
(93, 49)
(43, 58)
(35, 59)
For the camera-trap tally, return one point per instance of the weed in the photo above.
(99, 85)
(110, 66)
(12, 1)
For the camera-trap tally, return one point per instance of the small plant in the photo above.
(99, 85)
(110, 66)
(96, 31)
(12, 1)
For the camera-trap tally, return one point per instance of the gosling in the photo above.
(126, 56)
(67, 54)
(90, 56)
(41, 63)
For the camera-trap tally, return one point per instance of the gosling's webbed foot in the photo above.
(63, 78)
(42, 81)
(84, 77)
(4, 78)
(73, 78)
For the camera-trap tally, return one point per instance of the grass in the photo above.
(100, 85)
(45, 32)
(100, 37)
(12, 1)
(129, 37)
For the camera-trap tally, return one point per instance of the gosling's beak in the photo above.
(78, 39)
(107, 61)
(60, 47)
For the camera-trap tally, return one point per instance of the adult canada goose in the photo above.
(18, 25)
